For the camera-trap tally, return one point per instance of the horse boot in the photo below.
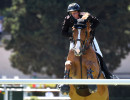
(92, 88)
(65, 89)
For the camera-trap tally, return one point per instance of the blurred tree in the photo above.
(36, 38)
(35, 27)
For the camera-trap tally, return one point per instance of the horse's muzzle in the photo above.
(77, 52)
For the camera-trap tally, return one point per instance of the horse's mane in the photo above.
(86, 15)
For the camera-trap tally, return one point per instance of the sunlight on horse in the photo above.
(82, 63)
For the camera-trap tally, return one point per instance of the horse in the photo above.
(82, 63)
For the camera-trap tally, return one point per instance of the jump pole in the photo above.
(67, 81)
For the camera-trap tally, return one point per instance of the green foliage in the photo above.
(35, 26)
(36, 38)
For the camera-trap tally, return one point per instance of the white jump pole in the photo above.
(67, 81)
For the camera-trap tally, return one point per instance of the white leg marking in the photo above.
(78, 42)
(68, 62)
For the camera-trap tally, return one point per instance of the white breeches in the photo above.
(95, 46)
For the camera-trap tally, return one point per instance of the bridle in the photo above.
(84, 43)
(84, 47)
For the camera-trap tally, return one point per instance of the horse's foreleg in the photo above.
(92, 88)
(68, 65)
(65, 89)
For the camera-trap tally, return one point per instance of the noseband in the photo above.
(83, 46)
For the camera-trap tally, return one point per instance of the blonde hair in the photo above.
(86, 15)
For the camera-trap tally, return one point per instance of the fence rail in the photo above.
(49, 98)
(30, 90)
(67, 81)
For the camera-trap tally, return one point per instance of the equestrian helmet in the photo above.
(73, 7)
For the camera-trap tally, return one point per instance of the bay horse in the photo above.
(82, 63)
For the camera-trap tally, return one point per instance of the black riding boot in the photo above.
(104, 68)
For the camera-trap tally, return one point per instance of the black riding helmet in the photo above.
(73, 7)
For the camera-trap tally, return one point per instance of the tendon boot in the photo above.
(65, 89)
(92, 88)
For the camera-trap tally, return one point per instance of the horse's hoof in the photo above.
(65, 89)
(92, 88)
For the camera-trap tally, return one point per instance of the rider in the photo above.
(74, 12)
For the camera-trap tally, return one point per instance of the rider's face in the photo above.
(75, 14)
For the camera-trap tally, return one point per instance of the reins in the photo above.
(81, 65)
